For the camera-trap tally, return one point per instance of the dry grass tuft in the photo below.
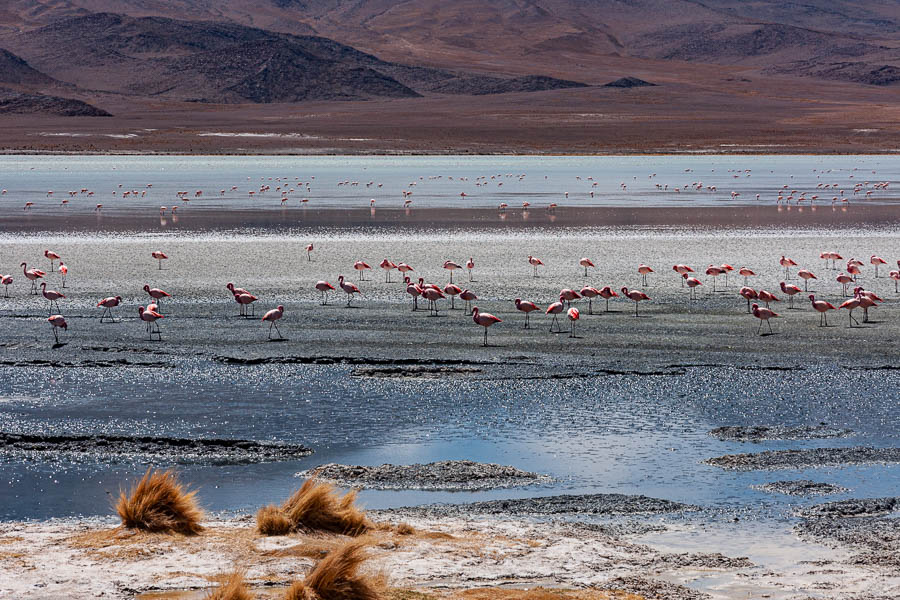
(405, 529)
(316, 506)
(232, 588)
(159, 503)
(336, 577)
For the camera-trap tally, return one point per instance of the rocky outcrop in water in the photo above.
(801, 487)
(758, 433)
(581, 504)
(806, 458)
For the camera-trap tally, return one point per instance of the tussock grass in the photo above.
(405, 529)
(232, 588)
(160, 503)
(316, 506)
(337, 577)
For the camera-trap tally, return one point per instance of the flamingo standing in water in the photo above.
(606, 292)
(156, 293)
(535, 262)
(767, 297)
(52, 295)
(108, 304)
(867, 300)
(526, 307)
(555, 309)
(805, 275)
(791, 290)
(388, 266)
(590, 293)
(150, 316)
(573, 316)
(32, 275)
(245, 300)
(851, 305)
(692, 282)
(569, 295)
(413, 290)
(726, 269)
(470, 265)
(823, 307)
(63, 272)
(682, 270)
(452, 290)
(895, 275)
(469, 296)
(714, 272)
(432, 295)
(844, 280)
(485, 320)
(272, 317)
(635, 296)
(748, 293)
(745, 273)
(644, 270)
(324, 287)
(586, 262)
(309, 249)
(57, 322)
(763, 314)
(348, 288)
(787, 263)
(451, 266)
(877, 260)
(160, 256)
(52, 257)
(6, 281)
(361, 267)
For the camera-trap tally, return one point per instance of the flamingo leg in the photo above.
(485, 336)
(526, 321)
(55, 335)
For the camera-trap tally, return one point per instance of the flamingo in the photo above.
(877, 260)
(245, 300)
(790, 290)
(749, 294)
(606, 292)
(644, 270)
(714, 271)
(160, 256)
(272, 317)
(6, 281)
(33, 275)
(851, 305)
(844, 280)
(63, 272)
(469, 296)
(324, 287)
(309, 249)
(635, 296)
(51, 256)
(805, 275)
(586, 262)
(763, 314)
(413, 290)
(745, 273)
(787, 263)
(534, 262)
(692, 282)
(235, 290)
(156, 293)
(108, 304)
(388, 266)
(682, 270)
(573, 315)
(361, 267)
(823, 307)
(150, 316)
(485, 320)
(432, 295)
(854, 270)
(726, 269)
(404, 268)
(526, 307)
(767, 297)
(348, 288)
(57, 322)
(867, 300)
(569, 295)
(451, 266)
(555, 309)
(453, 291)
(590, 293)
(895, 275)
(470, 265)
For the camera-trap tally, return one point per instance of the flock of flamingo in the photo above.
(151, 314)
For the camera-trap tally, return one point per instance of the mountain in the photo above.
(15, 70)
(21, 103)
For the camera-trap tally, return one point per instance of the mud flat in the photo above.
(114, 448)
(451, 475)
(758, 433)
(806, 458)
(801, 487)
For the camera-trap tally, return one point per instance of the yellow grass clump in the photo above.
(232, 588)
(405, 529)
(316, 506)
(159, 503)
(336, 577)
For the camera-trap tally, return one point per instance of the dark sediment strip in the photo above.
(452, 475)
(583, 504)
(110, 448)
(756, 433)
(802, 487)
(863, 524)
(806, 458)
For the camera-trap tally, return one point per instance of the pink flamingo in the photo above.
(844, 280)
(160, 256)
(692, 282)
(432, 295)
(413, 290)
(535, 262)
(361, 267)
(791, 290)
(388, 266)
(485, 320)
(470, 265)
(805, 275)
(823, 307)
(748, 294)
(877, 260)
(586, 262)
(245, 300)
(404, 268)
(851, 305)
(714, 271)
(590, 293)
(767, 297)
(272, 317)
(33, 275)
(569, 295)
(156, 293)
(235, 290)
(324, 287)
(745, 273)
(763, 314)
(57, 322)
(63, 272)
(150, 317)
(682, 270)
(555, 309)
(51, 256)
(453, 291)
(573, 316)
(451, 266)
(526, 307)
(787, 263)
(867, 300)
(606, 292)
(854, 270)
(108, 304)
(6, 281)
(635, 296)
(726, 269)
(644, 270)
(309, 249)
(52, 295)
(895, 275)
(469, 296)
(348, 288)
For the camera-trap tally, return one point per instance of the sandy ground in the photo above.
(81, 560)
